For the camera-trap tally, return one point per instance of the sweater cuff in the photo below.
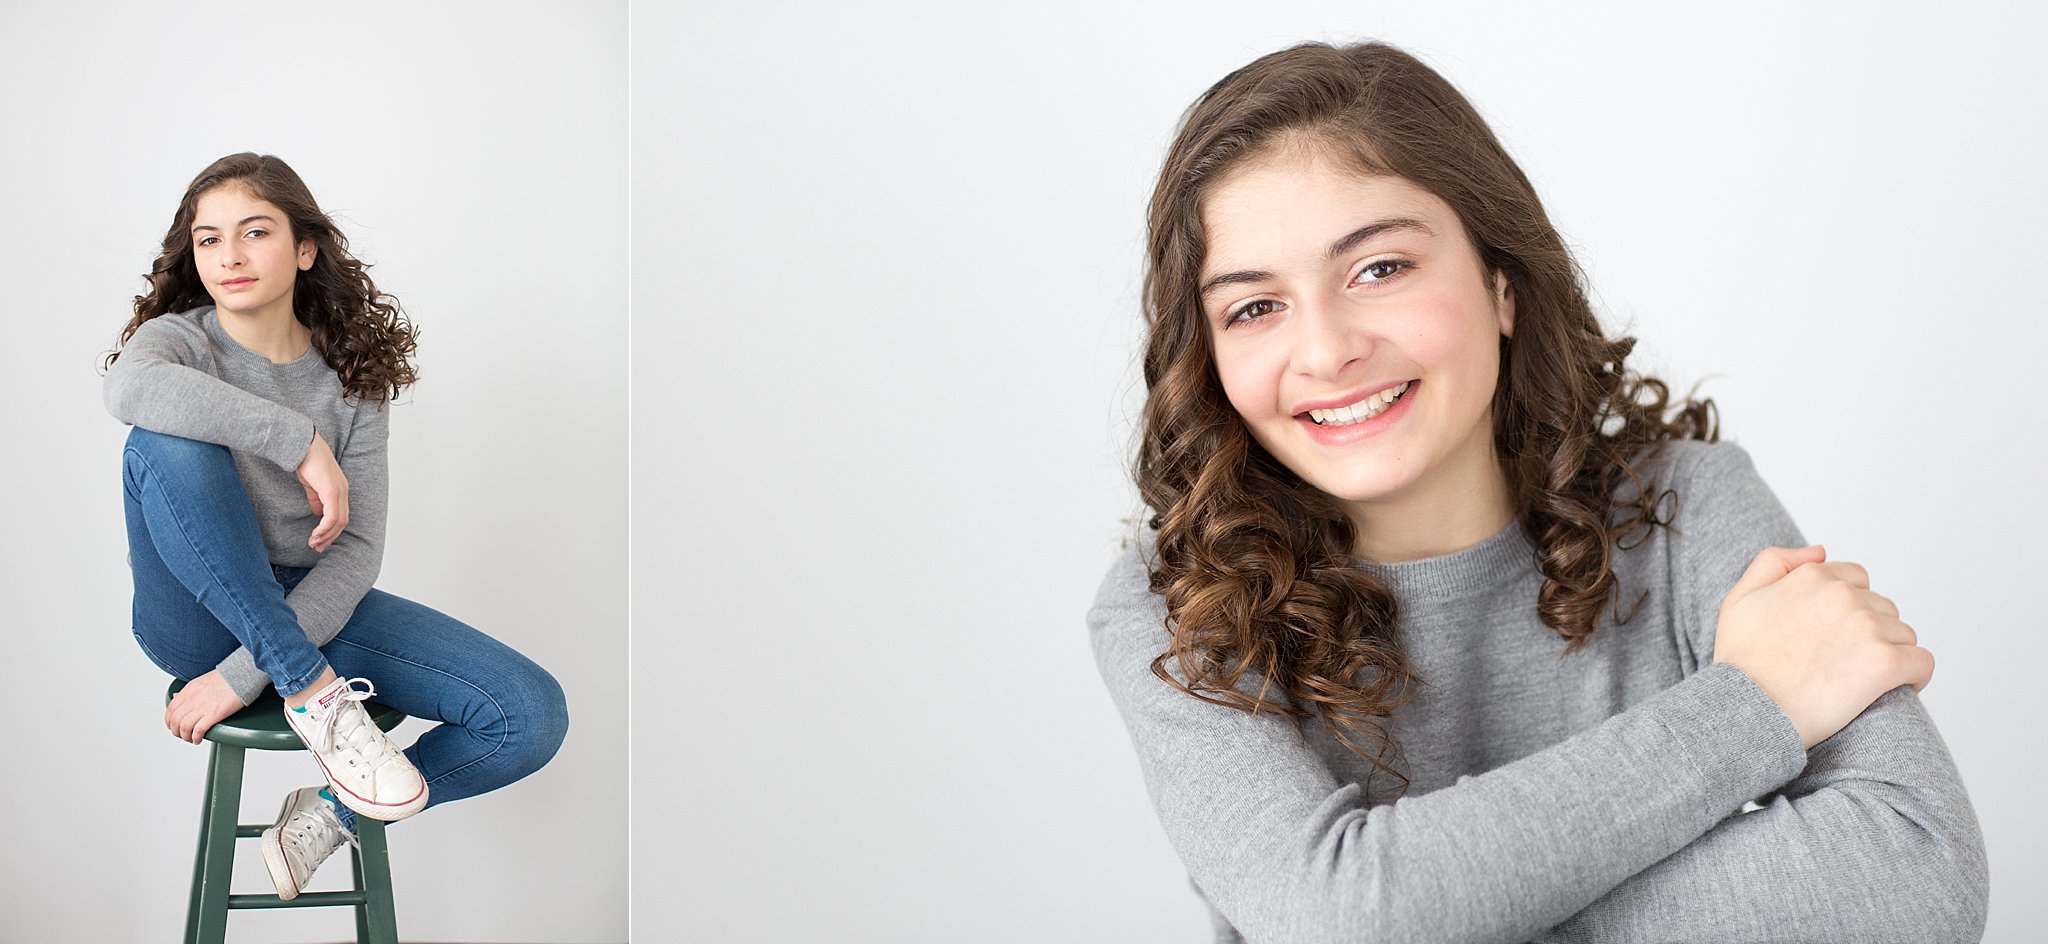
(1741, 744)
(242, 675)
(287, 440)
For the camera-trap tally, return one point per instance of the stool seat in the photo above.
(261, 726)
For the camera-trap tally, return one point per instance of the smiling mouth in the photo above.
(1362, 410)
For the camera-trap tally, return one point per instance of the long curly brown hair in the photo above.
(359, 331)
(1266, 608)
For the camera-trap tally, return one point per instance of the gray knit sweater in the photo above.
(1594, 796)
(183, 375)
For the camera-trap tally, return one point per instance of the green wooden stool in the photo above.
(262, 727)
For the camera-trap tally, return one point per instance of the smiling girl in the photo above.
(258, 373)
(1447, 625)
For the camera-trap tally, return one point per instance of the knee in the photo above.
(162, 454)
(537, 713)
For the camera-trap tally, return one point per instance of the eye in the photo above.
(1250, 311)
(256, 233)
(208, 240)
(1381, 270)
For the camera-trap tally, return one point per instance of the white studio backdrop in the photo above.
(887, 262)
(475, 154)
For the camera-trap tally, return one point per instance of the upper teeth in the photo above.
(1358, 412)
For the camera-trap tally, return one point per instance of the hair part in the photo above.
(359, 331)
(1266, 610)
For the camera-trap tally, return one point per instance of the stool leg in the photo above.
(206, 918)
(355, 867)
(199, 857)
(377, 918)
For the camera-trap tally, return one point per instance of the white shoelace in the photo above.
(358, 734)
(315, 835)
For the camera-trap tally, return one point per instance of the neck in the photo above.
(273, 333)
(1448, 514)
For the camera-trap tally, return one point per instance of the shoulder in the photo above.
(1718, 514)
(184, 331)
(1690, 465)
(1128, 582)
(1716, 494)
(189, 324)
(1696, 483)
(1127, 622)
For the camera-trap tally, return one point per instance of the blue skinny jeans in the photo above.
(204, 585)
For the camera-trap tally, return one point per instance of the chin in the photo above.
(1361, 485)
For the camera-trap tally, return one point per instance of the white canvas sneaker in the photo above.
(305, 834)
(365, 770)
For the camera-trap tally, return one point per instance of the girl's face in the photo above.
(242, 247)
(1355, 332)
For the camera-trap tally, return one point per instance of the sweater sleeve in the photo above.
(1290, 854)
(327, 596)
(1874, 841)
(157, 383)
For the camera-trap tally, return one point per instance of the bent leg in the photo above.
(502, 717)
(203, 581)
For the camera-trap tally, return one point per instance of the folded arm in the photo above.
(157, 383)
(1875, 841)
(327, 596)
(1290, 854)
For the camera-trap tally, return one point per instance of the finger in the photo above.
(329, 526)
(1880, 604)
(1847, 572)
(1900, 634)
(181, 728)
(1915, 667)
(1772, 564)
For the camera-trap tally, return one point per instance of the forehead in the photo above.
(231, 203)
(1290, 205)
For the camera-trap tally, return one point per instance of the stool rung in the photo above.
(305, 900)
(250, 831)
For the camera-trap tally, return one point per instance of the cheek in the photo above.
(1249, 385)
(1454, 337)
(284, 263)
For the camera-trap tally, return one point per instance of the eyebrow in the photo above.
(265, 217)
(1344, 244)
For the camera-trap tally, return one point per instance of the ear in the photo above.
(1504, 303)
(307, 253)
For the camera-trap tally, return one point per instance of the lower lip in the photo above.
(238, 284)
(1340, 435)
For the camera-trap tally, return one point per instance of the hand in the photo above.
(200, 705)
(326, 492)
(1815, 638)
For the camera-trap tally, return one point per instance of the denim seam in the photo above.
(202, 553)
(502, 713)
(151, 653)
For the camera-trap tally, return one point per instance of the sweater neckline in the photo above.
(226, 342)
(1478, 569)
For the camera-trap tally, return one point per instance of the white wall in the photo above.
(887, 273)
(475, 153)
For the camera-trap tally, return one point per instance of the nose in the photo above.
(1330, 338)
(231, 255)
